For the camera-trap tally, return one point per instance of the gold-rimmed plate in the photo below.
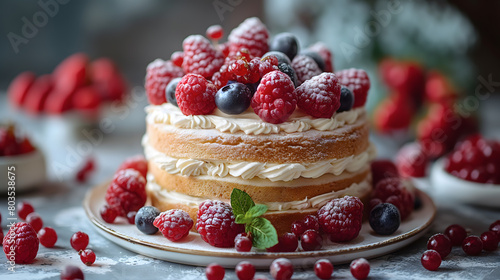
(192, 250)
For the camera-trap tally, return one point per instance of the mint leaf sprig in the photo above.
(263, 233)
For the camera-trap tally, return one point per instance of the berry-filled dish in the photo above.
(257, 114)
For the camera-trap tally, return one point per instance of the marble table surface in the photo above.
(59, 202)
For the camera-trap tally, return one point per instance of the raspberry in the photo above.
(323, 269)
(319, 96)
(87, 257)
(341, 218)
(24, 209)
(245, 270)
(35, 221)
(174, 224)
(177, 58)
(138, 163)
(71, 272)
(325, 53)
(305, 67)
(412, 161)
(158, 74)
(431, 260)
(195, 95)
(251, 34)
(382, 169)
(107, 79)
(392, 190)
(200, 57)
(215, 32)
(268, 64)
(275, 99)
(22, 238)
(79, 241)
(127, 191)
(38, 93)
(72, 72)
(393, 114)
(358, 82)
(47, 237)
(215, 223)
(108, 214)
(87, 99)
(19, 88)
(215, 272)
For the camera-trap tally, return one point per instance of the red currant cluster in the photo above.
(475, 159)
(439, 245)
(10, 145)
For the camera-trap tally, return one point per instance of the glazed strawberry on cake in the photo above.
(261, 117)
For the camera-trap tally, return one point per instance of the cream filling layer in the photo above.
(248, 122)
(247, 170)
(356, 189)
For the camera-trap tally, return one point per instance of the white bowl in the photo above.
(25, 171)
(446, 185)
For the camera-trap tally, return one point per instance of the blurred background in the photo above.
(455, 42)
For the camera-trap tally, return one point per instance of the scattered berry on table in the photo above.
(71, 272)
(214, 272)
(174, 224)
(288, 242)
(472, 245)
(311, 240)
(281, 269)
(490, 241)
(24, 208)
(305, 67)
(137, 162)
(84, 172)
(325, 53)
(440, 243)
(47, 237)
(158, 74)
(392, 190)
(245, 270)
(383, 168)
(319, 96)
(215, 32)
(288, 69)
(127, 191)
(385, 219)
(360, 268)
(456, 234)
(358, 82)
(131, 217)
(251, 34)
(298, 228)
(412, 160)
(495, 227)
(195, 95)
(87, 257)
(275, 99)
(144, 219)
(22, 237)
(431, 260)
(323, 269)
(108, 214)
(233, 99)
(170, 91)
(317, 58)
(346, 99)
(341, 218)
(243, 243)
(286, 43)
(220, 231)
(282, 58)
(177, 58)
(35, 221)
(79, 241)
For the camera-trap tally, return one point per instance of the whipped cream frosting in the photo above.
(248, 170)
(356, 189)
(248, 122)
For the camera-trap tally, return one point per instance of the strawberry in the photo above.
(18, 88)
(37, 94)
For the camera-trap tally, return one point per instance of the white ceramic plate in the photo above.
(445, 184)
(194, 251)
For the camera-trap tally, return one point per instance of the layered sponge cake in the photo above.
(293, 163)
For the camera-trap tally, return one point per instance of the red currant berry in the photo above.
(288, 242)
(281, 269)
(456, 234)
(441, 243)
(47, 237)
(215, 32)
(71, 272)
(35, 221)
(24, 209)
(108, 214)
(245, 270)
(215, 272)
(431, 260)
(311, 240)
(472, 245)
(495, 227)
(298, 228)
(323, 269)
(79, 241)
(87, 256)
(131, 217)
(360, 268)
(242, 243)
(490, 241)
(311, 222)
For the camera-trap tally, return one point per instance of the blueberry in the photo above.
(288, 69)
(346, 99)
(317, 58)
(282, 58)
(170, 91)
(253, 87)
(385, 219)
(144, 219)
(233, 98)
(286, 43)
